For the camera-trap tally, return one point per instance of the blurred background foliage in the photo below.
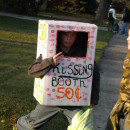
(97, 8)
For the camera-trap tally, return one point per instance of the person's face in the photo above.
(128, 40)
(68, 39)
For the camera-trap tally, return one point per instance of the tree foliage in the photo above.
(74, 6)
(33, 6)
(19, 6)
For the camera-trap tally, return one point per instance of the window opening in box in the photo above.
(72, 43)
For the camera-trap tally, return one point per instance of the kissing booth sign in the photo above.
(70, 82)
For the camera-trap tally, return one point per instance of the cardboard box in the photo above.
(68, 84)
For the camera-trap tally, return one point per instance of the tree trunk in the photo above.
(103, 10)
(43, 5)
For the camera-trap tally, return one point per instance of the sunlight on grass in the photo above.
(18, 37)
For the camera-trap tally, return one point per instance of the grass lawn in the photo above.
(18, 40)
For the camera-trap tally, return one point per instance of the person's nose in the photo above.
(68, 37)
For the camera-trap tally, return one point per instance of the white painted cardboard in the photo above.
(65, 89)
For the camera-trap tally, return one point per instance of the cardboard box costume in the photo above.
(70, 82)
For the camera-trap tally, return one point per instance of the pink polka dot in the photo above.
(49, 74)
(51, 51)
(49, 94)
(75, 72)
(85, 99)
(90, 58)
(52, 98)
(52, 40)
(84, 93)
(88, 28)
(77, 59)
(53, 90)
(52, 44)
(92, 47)
(52, 36)
(73, 100)
(80, 69)
(52, 31)
(84, 61)
(88, 80)
(65, 67)
(86, 86)
(71, 28)
(51, 25)
(61, 80)
(69, 59)
(90, 52)
(91, 42)
(57, 26)
(93, 32)
(68, 92)
(87, 73)
(83, 28)
(54, 74)
(62, 26)
(71, 63)
(91, 36)
(62, 59)
(47, 89)
(93, 28)
(68, 80)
